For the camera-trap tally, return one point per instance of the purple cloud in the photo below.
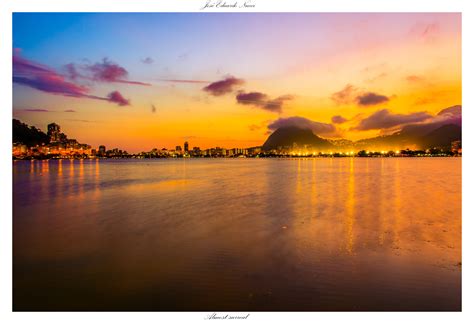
(45, 79)
(117, 98)
(223, 87)
(384, 119)
(450, 115)
(338, 119)
(350, 94)
(42, 78)
(72, 71)
(105, 71)
(252, 98)
(371, 99)
(301, 122)
(262, 100)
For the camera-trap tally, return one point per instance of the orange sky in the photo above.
(411, 63)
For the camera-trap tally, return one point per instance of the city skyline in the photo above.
(139, 81)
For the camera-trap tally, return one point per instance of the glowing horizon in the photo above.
(143, 81)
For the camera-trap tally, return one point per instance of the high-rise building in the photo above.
(54, 132)
(186, 147)
(102, 150)
(178, 148)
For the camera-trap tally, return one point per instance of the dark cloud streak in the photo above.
(183, 81)
(223, 87)
(261, 100)
(371, 99)
(117, 98)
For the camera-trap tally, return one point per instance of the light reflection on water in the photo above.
(238, 234)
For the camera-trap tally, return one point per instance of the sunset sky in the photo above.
(140, 81)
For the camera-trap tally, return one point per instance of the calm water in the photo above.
(238, 234)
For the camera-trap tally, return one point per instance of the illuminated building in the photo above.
(456, 147)
(54, 132)
(102, 150)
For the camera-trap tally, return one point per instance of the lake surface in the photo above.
(237, 234)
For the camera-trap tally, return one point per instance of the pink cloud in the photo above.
(117, 98)
(107, 71)
(45, 79)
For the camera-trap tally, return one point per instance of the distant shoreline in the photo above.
(239, 158)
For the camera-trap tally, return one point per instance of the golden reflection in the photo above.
(97, 170)
(45, 166)
(184, 170)
(383, 213)
(180, 184)
(96, 178)
(397, 202)
(71, 174)
(71, 167)
(313, 186)
(298, 177)
(45, 176)
(81, 178)
(60, 167)
(349, 219)
(60, 177)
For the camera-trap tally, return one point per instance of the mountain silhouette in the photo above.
(441, 137)
(28, 135)
(422, 136)
(288, 137)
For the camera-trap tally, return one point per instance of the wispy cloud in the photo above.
(426, 32)
(353, 95)
(36, 110)
(147, 60)
(105, 71)
(183, 81)
(414, 78)
(345, 96)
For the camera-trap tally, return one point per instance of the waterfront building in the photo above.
(54, 131)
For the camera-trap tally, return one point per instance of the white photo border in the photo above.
(7, 7)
